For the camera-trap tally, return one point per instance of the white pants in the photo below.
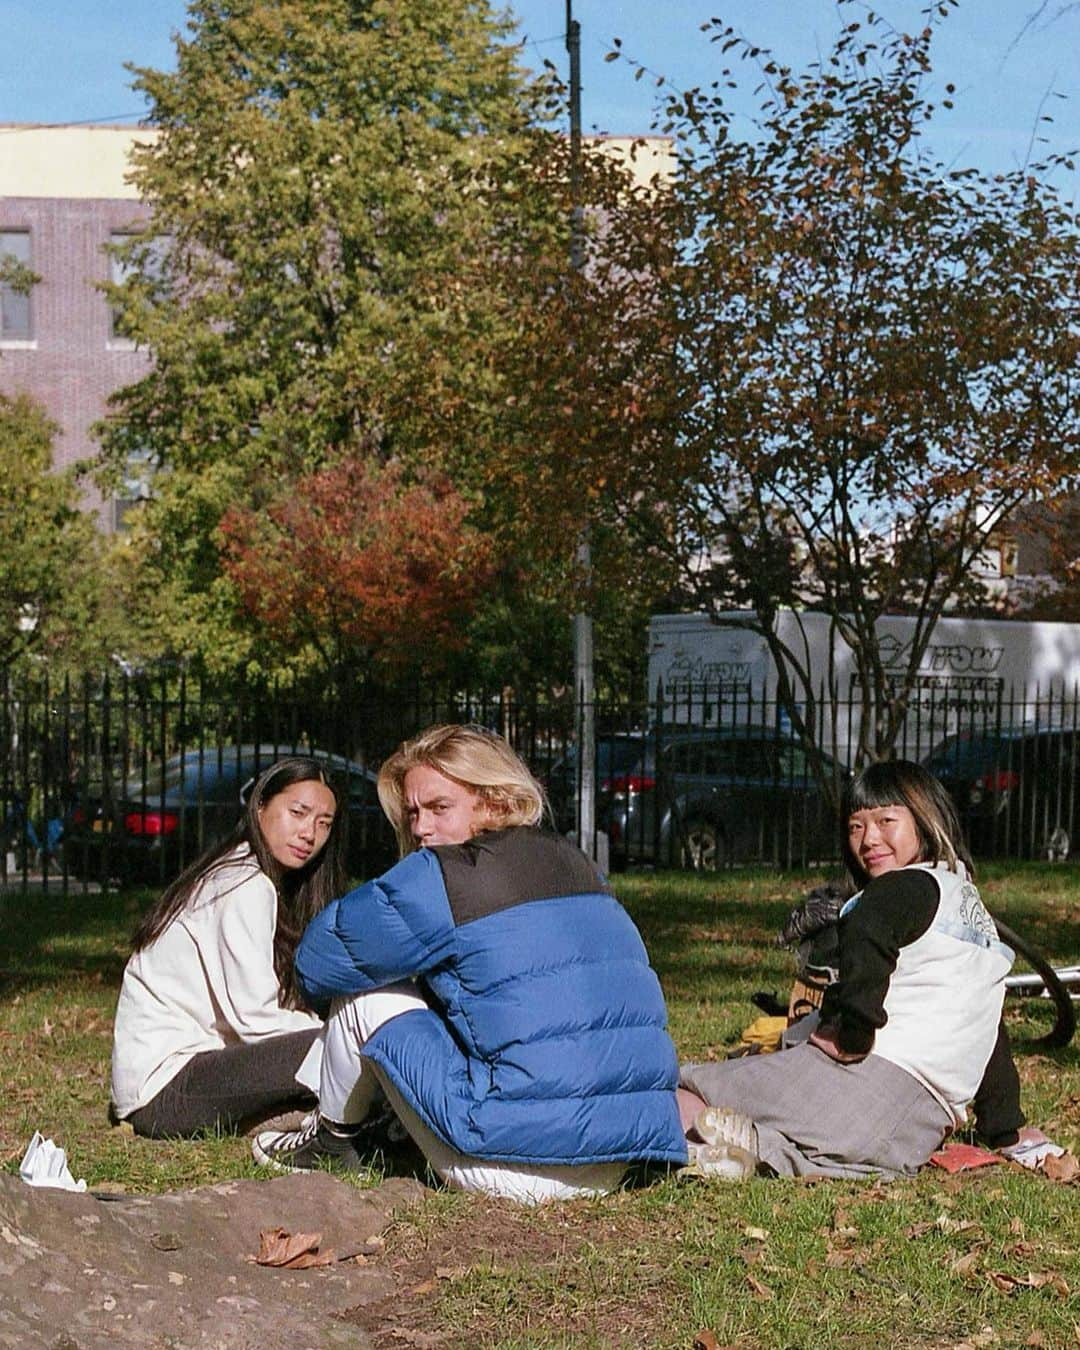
(347, 1083)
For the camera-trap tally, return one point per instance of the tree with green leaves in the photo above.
(875, 360)
(322, 169)
(48, 578)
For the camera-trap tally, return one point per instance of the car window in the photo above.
(969, 756)
(210, 778)
(792, 762)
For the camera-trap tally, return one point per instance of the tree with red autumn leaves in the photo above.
(358, 564)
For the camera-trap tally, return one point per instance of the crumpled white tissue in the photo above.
(45, 1164)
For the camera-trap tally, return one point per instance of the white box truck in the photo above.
(973, 672)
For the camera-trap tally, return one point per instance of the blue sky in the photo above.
(62, 60)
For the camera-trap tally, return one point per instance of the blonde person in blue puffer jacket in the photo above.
(492, 987)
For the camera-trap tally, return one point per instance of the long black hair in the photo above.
(899, 782)
(301, 892)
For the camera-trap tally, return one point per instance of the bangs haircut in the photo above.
(900, 782)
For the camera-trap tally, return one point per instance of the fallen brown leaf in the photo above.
(424, 1287)
(1036, 1339)
(758, 1289)
(838, 1258)
(1040, 1279)
(291, 1251)
(965, 1265)
(705, 1340)
(450, 1272)
(948, 1225)
(1065, 1169)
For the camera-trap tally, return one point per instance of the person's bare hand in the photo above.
(825, 1038)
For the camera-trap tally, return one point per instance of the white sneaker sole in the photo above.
(729, 1151)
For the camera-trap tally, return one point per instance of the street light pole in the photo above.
(584, 709)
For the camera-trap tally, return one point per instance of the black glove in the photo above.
(819, 910)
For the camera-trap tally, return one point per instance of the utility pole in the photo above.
(584, 709)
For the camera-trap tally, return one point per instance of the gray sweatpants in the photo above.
(816, 1117)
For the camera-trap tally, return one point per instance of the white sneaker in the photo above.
(729, 1151)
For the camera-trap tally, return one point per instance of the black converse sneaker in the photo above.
(316, 1145)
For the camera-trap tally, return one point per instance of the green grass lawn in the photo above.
(984, 1259)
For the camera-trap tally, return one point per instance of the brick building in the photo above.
(63, 196)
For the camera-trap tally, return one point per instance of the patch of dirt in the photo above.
(85, 1270)
(435, 1263)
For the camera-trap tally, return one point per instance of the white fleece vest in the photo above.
(945, 995)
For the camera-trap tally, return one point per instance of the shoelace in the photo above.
(294, 1139)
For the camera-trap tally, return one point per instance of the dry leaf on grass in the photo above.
(758, 1289)
(1066, 1168)
(450, 1272)
(948, 1225)
(1039, 1279)
(965, 1265)
(987, 1336)
(705, 1340)
(291, 1251)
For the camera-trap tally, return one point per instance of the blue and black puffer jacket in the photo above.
(545, 1039)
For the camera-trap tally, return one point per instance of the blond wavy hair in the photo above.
(472, 756)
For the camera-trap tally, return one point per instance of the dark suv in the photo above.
(1017, 790)
(703, 797)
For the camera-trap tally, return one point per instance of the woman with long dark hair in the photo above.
(907, 1030)
(212, 1027)
(492, 987)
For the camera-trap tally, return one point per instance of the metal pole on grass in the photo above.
(584, 694)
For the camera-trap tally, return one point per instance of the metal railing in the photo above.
(93, 773)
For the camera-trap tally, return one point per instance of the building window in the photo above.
(120, 269)
(137, 486)
(16, 312)
(148, 261)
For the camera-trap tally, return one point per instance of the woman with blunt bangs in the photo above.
(492, 988)
(907, 1031)
(212, 1026)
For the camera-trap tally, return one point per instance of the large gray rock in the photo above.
(82, 1271)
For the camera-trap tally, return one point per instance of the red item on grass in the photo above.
(963, 1157)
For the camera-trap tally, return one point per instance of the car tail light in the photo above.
(151, 822)
(1000, 780)
(628, 782)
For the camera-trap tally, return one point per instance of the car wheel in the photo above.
(702, 846)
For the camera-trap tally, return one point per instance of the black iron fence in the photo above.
(127, 778)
